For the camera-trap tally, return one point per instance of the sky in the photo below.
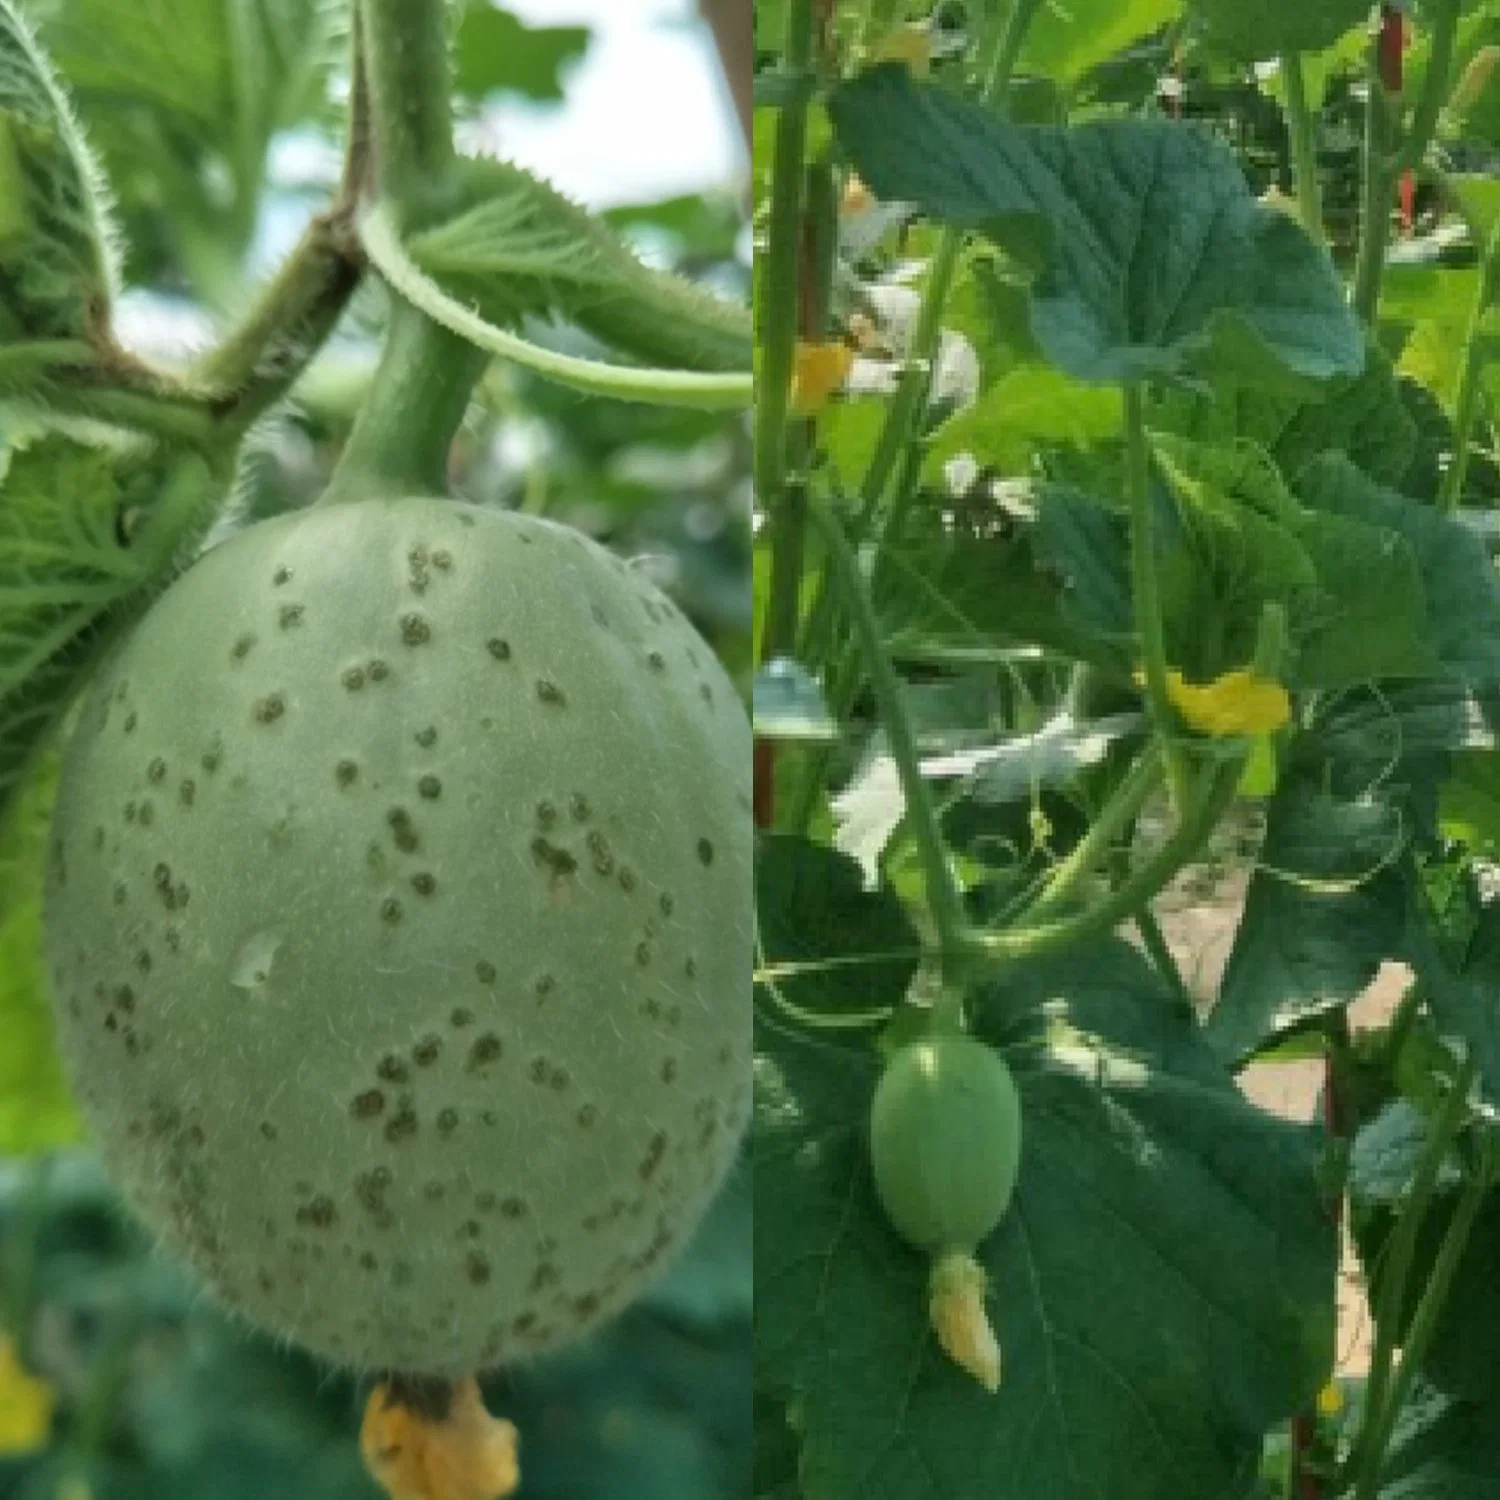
(646, 116)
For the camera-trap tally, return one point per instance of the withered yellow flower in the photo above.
(818, 371)
(956, 1308)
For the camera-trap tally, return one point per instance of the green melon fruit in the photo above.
(399, 919)
(945, 1142)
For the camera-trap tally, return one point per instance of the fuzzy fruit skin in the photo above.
(399, 920)
(945, 1141)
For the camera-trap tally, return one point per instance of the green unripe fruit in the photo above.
(945, 1141)
(399, 918)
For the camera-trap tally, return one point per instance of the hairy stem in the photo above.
(406, 52)
(401, 438)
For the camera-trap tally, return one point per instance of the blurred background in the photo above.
(117, 1381)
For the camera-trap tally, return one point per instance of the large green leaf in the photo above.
(1325, 908)
(1133, 1365)
(1443, 1450)
(524, 248)
(1460, 583)
(827, 944)
(1269, 28)
(1352, 590)
(57, 271)
(1363, 418)
(1153, 255)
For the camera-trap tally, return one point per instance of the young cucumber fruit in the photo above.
(945, 1142)
(399, 921)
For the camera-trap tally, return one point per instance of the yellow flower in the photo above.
(911, 45)
(956, 1308)
(1238, 702)
(467, 1455)
(819, 370)
(25, 1406)
(1330, 1400)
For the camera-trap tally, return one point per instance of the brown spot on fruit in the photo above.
(367, 1105)
(269, 709)
(415, 630)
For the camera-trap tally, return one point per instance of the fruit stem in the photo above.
(416, 402)
(421, 388)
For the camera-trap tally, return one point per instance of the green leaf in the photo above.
(1325, 908)
(1253, 33)
(57, 270)
(1144, 1175)
(1352, 591)
(1153, 256)
(85, 541)
(1443, 1450)
(1066, 42)
(36, 1109)
(1028, 411)
(1460, 583)
(525, 249)
(1363, 418)
(495, 50)
(828, 945)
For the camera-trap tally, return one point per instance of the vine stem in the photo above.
(943, 897)
(896, 431)
(1429, 106)
(1114, 818)
(777, 297)
(1302, 127)
(687, 388)
(1471, 365)
(1423, 1325)
(1369, 1448)
(1146, 588)
(1206, 805)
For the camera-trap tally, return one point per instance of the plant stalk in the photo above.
(943, 897)
(1374, 198)
(406, 53)
(401, 439)
(1146, 589)
(1471, 367)
(1114, 818)
(1206, 804)
(1424, 117)
(1419, 1335)
(1302, 127)
(1365, 1459)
